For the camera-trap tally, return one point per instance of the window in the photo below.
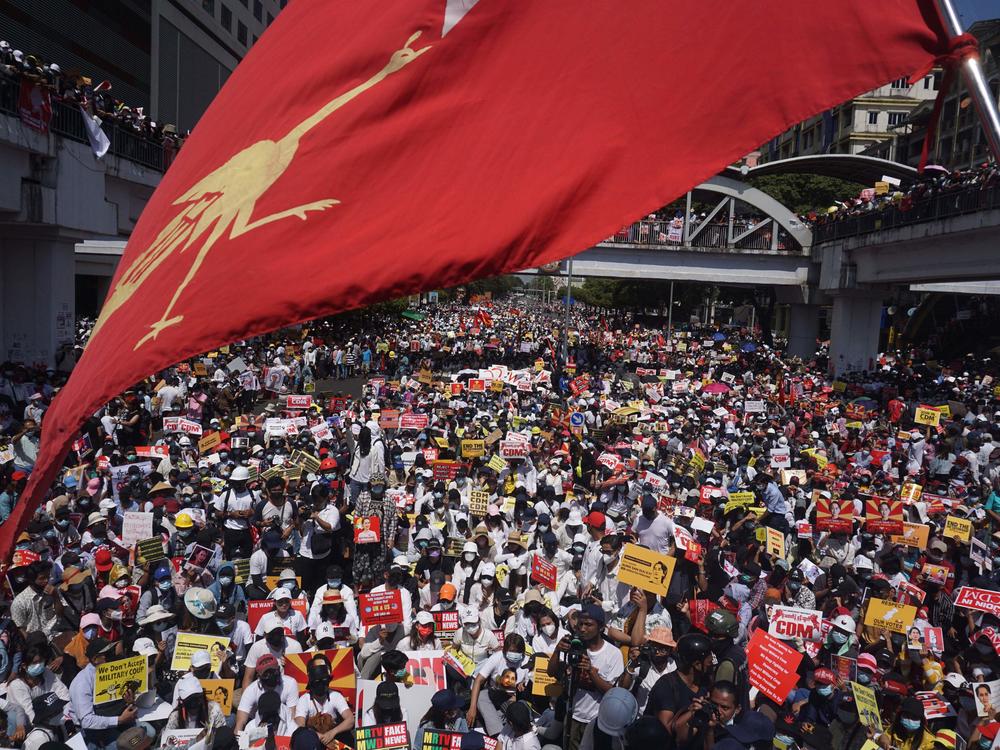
(270, 19)
(258, 11)
(282, 4)
(241, 33)
(899, 83)
(928, 82)
(226, 17)
(255, 37)
(873, 118)
(896, 118)
(208, 6)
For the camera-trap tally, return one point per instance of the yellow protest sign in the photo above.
(645, 569)
(211, 440)
(543, 684)
(113, 680)
(200, 370)
(910, 492)
(221, 692)
(478, 502)
(473, 448)
(929, 417)
(187, 643)
(739, 500)
(497, 464)
(867, 706)
(914, 535)
(959, 529)
(886, 614)
(775, 542)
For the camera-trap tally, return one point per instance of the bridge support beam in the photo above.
(803, 330)
(854, 330)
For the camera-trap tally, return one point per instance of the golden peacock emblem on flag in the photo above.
(221, 205)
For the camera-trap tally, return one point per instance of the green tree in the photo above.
(805, 192)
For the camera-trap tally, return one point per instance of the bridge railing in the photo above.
(67, 121)
(665, 235)
(940, 206)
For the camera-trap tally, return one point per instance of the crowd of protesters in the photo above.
(671, 539)
(76, 89)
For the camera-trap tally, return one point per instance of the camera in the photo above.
(701, 717)
(575, 653)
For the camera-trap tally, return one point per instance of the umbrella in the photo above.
(718, 336)
(715, 388)
(748, 347)
(411, 315)
(867, 403)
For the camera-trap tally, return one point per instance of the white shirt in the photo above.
(609, 664)
(238, 501)
(656, 534)
(335, 705)
(330, 515)
(253, 691)
(294, 624)
(261, 647)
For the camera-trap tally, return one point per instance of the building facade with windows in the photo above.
(169, 57)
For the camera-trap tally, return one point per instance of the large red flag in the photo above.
(366, 150)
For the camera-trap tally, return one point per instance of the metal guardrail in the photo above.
(67, 121)
(943, 205)
(657, 233)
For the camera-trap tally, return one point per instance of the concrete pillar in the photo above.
(854, 331)
(37, 297)
(803, 330)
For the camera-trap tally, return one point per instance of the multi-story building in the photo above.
(855, 125)
(168, 56)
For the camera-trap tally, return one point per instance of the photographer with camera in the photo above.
(647, 664)
(720, 724)
(672, 697)
(590, 665)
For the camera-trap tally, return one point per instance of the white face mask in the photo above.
(609, 559)
(549, 630)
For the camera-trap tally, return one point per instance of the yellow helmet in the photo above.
(183, 521)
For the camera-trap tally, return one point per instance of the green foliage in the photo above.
(804, 192)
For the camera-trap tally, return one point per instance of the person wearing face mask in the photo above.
(506, 675)
(444, 715)
(160, 592)
(571, 586)
(909, 731)
(472, 639)
(272, 719)
(378, 641)
(269, 682)
(648, 663)
(201, 669)
(797, 593)
(77, 647)
(225, 589)
(652, 528)
(841, 638)
(334, 582)
(275, 643)
(282, 614)
(322, 709)
(847, 731)
(422, 636)
(386, 709)
(38, 607)
(550, 632)
(184, 536)
(466, 568)
(34, 679)
(77, 592)
(548, 549)
(821, 707)
(334, 613)
(673, 695)
(432, 559)
(226, 623)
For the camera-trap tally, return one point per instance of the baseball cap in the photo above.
(447, 592)
(325, 631)
(200, 659)
(133, 738)
(281, 593)
(265, 662)
(593, 612)
(98, 646)
(188, 685)
(595, 519)
(103, 560)
(386, 694)
(825, 676)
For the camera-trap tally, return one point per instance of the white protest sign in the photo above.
(754, 407)
(789, 623)
(136, 526)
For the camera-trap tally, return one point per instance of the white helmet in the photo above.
(845, 623)
(617, 712)
(240, 473)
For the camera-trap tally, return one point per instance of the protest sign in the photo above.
(935, 573)
(478, 502)
(221, 692)
(473, 448)
(382, 737)
(179, 424)
(987, 695)
(341, 661)
(773, 666)
(446, 622)
(914, 535)
(886, 614)
(934, 639)
(645, 569)
(411, 421)
(775, 541)
(925, 416)
(544, 572)
(788, 623)
(136, 526)
(981, 600)
(867, 706)
(380, 608)
(298, 402)
(308, 462)
(426, 668)
(187, 643)
(513, 449)
(979, 553)
(179, 739)
(832, 514)
(436, 739)
(959, 529)
(883, 515)
(208, 442)
(121, 679)
(150, 550)
(845, 667)
(388, 419)
(543, 683)
(367, 529)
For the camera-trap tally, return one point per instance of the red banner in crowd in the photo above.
(34, 106)
(380, 608)
(428, 114)
(773, 666)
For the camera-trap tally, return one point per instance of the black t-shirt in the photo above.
(670, 693)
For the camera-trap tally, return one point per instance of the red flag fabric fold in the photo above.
(366, 150)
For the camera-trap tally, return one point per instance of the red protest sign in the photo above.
(414, 421)
(341, 670)
(298, 402)
(883, 515)
(446, 622)
(477, 385)
(445, 469)
(257, 608)
(980, 600)
(389, 419)
(380, 608)
(773, 666)
(544, 572)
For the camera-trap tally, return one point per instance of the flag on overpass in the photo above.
(367, 150)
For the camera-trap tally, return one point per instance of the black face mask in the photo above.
(270, 679)
(193, 705)
(202, 673)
